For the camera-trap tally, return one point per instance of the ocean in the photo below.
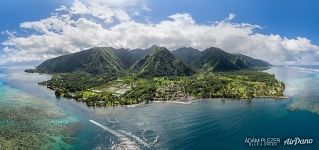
(32, 117)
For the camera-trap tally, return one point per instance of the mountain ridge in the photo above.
(154, 61)
(216, 59)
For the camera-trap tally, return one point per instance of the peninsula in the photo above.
(105, 76)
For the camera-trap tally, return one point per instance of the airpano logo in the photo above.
(274, 141)
(298, 141)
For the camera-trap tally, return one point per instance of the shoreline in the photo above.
(177, 100)
(189, 100)
(197, 100)
(275, 97)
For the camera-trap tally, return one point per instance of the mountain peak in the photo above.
(161, 62)
(154, 47)
(215, 50)
(97, 60)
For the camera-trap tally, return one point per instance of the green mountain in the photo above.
(187, 54)
(155, 61)
(215, 59)
(160, 62)
(95, 60)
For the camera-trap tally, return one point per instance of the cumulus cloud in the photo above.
(111, 23)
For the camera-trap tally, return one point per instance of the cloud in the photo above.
(61, 8)
(108, 11)
(231, 16)
(111, 23)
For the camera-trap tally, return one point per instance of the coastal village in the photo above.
(170, 91)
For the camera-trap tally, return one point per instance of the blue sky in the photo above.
(14, 12)
(287, 18)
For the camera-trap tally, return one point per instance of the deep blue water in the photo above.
(206, 124)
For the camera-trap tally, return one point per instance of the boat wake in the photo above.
(108, 129)
(125, 144)
(135, 138)
(124, 137)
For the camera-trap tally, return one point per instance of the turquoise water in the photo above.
(205, 124)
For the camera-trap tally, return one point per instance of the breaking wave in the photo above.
(302, 68)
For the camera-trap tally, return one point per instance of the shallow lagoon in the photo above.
(206, 124)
